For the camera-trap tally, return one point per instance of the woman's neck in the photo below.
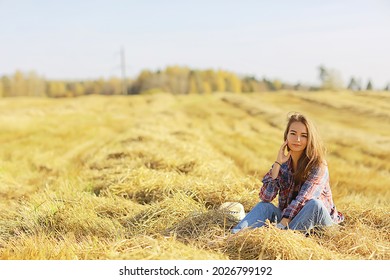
(295, 157)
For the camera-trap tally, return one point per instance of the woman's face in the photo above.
(297, 137)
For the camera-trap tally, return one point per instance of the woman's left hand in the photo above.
(285, 222)
(280, 226)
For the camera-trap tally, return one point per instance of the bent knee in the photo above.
(266, 205)
(315, 203)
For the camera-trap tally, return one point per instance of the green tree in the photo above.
(353, 84)
(369, 85)
(246, 85)
(330, 79)
(142, 82)
(268, 84)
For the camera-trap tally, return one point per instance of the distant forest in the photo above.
(173, 79)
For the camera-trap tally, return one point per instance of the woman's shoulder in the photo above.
(320, 168)
(322, 164)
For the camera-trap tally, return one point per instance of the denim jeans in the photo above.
(313, 214)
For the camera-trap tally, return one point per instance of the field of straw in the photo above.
(142, 177)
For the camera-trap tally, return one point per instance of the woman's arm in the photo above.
(311, 188)
(285, 221)
(270, 187)
(272, 180)
(280, 159)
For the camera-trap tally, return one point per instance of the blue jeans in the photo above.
(313, 214)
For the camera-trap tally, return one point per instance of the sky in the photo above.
(285, 40)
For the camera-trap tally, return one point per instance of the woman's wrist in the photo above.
(285, 221)
(277, 162)
(275, 169)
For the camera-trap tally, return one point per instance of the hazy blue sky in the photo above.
(288, 40)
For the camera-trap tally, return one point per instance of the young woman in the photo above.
(300, 177)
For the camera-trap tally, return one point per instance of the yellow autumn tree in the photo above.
(277, 84)
(6, 84)
(177, 79)
(115, 85)
(1, 88)
(220, 81)
(233, 83)
(206, 87)
(18, 84)
(35, 85)
(192, 84)
(78, 89)
(56, 89)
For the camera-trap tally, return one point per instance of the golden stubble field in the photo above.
(142, 177)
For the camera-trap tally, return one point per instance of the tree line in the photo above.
(172, 79)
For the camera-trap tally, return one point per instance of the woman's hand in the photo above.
(282, 157)
(285, 222)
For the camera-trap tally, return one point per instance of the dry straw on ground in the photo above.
(142, 177)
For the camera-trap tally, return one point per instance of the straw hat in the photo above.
(233, 208)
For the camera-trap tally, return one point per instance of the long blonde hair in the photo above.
(314, 153)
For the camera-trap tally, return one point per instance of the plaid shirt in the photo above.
(316, 186)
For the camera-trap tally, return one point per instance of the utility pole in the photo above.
(123, 67)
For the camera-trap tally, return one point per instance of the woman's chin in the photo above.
(296, 149)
